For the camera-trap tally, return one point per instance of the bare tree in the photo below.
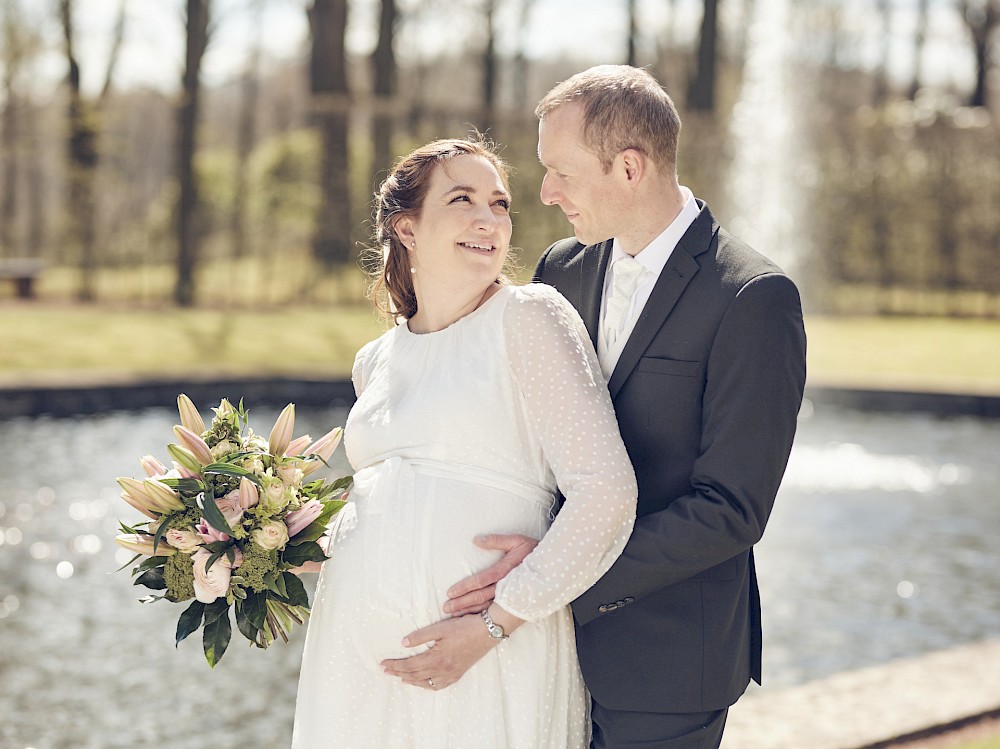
(919, 39)
(881, 90)
(196, 23)
(982, 17)
(331, 101)
(17, 44)
(383, 62)
(633, 32)
(701, 91)
(246, 134)
(84, 118)
(489, 89)
(519, 66)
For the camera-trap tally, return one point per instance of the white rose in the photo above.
(183, 539)
(272, 535)
(224, 448)
(214, 583)
(291, 475)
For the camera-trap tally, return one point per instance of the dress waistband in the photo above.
(396, 468)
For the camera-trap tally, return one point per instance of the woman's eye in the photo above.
(503, 203)
(461, 197)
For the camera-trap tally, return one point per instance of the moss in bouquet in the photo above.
(178, 574)
(257, 562)
(184, 520)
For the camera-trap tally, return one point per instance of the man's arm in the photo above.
(755, 379)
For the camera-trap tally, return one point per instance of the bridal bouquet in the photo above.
(229, 521)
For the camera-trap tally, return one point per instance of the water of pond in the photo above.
(882, 545)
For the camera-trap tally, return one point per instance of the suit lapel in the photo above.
(592, 270)
(673, 280)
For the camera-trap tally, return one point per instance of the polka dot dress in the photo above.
(464, 431)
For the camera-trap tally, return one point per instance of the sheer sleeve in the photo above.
(362, 366)
(570, 410)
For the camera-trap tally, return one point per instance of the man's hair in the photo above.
(623, 107)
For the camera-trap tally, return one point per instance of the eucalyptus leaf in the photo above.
(189, 621)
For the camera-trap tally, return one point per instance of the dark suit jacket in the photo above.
(707, 392)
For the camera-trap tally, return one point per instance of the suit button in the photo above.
(606, 607)
(629, 599)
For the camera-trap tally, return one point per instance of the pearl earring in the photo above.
(413, 246)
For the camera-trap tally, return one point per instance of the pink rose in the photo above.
(214, 583)
(231, 507)
(299, 519)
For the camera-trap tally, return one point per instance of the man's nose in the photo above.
(547, 193)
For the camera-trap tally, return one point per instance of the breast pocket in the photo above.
(672, 367)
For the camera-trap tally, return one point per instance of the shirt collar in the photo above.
(655, 255)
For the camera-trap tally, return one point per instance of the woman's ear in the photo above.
(404, 230)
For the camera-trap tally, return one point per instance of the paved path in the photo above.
(861, 709)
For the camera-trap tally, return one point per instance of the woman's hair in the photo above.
(623, 108)
(401, 195)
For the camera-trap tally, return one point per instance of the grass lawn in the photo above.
(46, 341)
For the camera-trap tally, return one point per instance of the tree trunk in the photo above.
(8, 179)
(633, 30)
(919, 40)
(881, 92)
(188, 237)
(331, 102)
(384, 69)
(981, 19)
(701, 92)
(82, 166)
(246, 135)
(488, 115)
(520, 62)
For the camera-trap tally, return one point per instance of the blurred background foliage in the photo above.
(252, 188)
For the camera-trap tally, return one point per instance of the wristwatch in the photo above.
(495, 630)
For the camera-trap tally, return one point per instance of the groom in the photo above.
(702, 341)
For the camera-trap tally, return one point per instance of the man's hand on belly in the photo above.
(476, 592)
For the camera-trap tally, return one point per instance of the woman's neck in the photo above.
(438, 309)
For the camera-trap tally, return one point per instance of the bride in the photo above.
(472, 412)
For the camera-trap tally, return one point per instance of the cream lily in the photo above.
(144, 509)
(163, 495)
(324, 447)
(297, 445)
(185, 459)
(193, 442)
(143, 544)
(190, 417)
(281, 434)
(152, 466)
(141, 499)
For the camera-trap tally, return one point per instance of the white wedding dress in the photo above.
(465, 431)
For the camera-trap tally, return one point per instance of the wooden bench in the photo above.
(23, 271)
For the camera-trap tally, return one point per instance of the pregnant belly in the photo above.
(414, 540)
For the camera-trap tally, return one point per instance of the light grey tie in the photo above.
(625, 276)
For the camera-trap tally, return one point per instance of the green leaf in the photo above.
(130, 562)
(255, 608)
(230, 470)
(214, 515)
(246, 627)
(160, 533)
(297, 595)
(342, 483)
(149, 563)
(276, 582)
(217, 631)
(212, 560)
(299, 554)
(152, 579)
(189, 621)
(191, 486)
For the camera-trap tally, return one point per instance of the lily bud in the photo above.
(281, 434)
(324, 447)
(152, 466)
(297, 445)
(143, 544)
(140, 506)
(249, 496)
(193, 442)
(190, 417)
(163, 495)
(138, 493)
(185, 459)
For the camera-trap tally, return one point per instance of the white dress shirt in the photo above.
(654, 257)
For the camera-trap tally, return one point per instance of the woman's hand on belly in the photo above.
(455, 646)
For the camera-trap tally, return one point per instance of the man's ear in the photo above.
(633, 163)
(404, 230)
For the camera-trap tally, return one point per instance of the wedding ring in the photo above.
(430, 682)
